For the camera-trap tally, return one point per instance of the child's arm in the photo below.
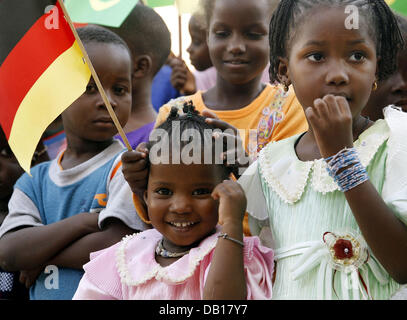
(117, 220)
(386, 235)
(31, 247)
(226, 277)
(77, 254)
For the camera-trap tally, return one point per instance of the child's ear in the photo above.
(145, 196)
(283, 72)
(142, 66)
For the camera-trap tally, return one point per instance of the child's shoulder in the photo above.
(36, 173)
(130, 246)
(123, 252)
(179, 104)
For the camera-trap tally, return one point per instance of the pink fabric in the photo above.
(205, 80)
(128, 271)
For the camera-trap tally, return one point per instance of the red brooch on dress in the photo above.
(348, 252)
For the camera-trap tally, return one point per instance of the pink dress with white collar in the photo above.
(128, 271)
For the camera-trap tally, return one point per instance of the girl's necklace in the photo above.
(160, 251)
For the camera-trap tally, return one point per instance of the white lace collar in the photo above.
(141, 247)
(288, 176)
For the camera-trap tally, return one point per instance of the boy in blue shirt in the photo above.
(79, 202)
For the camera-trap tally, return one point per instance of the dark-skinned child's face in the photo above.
(238, 39)
(327, 58)
(198, 50)
(390, 91)
(87, 118)
(10, 170)
(183, 210)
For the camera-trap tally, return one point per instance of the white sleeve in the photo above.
(120, 203)
(395, 185)
(251, 184)
(22, 212)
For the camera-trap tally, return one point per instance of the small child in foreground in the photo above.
(187, 255)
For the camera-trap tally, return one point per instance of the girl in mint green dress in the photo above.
(332, 202)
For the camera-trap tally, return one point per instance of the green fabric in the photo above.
(309, 218)
(103, 12)
(399, 6)
(159, 3)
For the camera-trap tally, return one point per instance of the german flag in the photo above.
(42, 71)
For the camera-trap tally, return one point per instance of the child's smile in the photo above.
(326, 58)
(180, 204)
(238, 43)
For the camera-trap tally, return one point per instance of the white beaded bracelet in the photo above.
(225, 236)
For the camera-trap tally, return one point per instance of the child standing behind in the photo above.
(186, 256)
(334, 197)
(392, 90)
(239, 50)
(182, 78)
(79, 202)
(149, 41)
(204, 77)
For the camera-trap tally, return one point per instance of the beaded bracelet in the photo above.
(353, 174)
(344, 158)
(225, 236)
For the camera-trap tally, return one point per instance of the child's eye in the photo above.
(254, 35)
(201, 191)
(357, 57)
(120, 90)
(163, 192)
(91, 88)
(315, 57)
(221, 34)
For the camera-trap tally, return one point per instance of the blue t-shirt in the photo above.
(54, 204)
(162, 90)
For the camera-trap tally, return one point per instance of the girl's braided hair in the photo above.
(381, 22)
(191, 120)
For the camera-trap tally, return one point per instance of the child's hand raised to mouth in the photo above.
(331, 122)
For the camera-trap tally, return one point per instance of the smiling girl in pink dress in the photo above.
(187, 255)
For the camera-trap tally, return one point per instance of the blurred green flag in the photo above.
(398, 5)
(104, 12)
(159, 3)
(183, 6)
